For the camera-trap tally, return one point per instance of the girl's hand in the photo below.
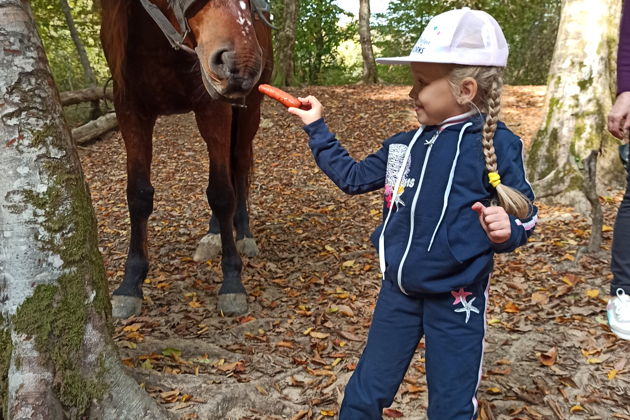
(494, 221)
(313, 114)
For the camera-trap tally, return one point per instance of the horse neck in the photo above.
(114, 34)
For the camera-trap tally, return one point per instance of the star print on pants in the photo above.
(468, 308)
(460, 296)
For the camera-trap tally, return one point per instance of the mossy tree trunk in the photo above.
(579, 95)
(57, 358)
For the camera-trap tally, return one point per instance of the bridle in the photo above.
(180, 8)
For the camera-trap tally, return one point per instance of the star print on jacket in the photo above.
(460, 297)
(395, 159)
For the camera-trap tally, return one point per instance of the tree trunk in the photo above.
(57, 358)
(286, 42)
(85, 62)
(369, 64)
(579, 96)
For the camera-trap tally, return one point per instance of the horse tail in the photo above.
(114, 33)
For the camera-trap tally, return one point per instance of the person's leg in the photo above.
(620, 254)
(392, 340)
(618, 308)
(455, 326)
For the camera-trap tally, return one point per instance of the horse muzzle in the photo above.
(229, 76)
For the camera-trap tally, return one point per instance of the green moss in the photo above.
(6, 349)
(55, 315)
(35, 317)
(593, 139)
(542, 162)
(580, 128)
(553, 104)
(549, 154)
(584, 84)
(576, 182)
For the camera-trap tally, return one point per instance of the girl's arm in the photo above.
(352, 177)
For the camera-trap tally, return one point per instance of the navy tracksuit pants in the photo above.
(454, 327)
(620, 253)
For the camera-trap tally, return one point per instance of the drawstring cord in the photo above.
(447, 192)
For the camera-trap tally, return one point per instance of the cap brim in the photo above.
(414, 59)
(396, 60)
(446, 59)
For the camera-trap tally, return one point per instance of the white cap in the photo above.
(461, 36)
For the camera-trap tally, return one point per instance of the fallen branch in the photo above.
(95, 128)
(85, 95)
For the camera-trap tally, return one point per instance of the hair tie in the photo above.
(494, 178)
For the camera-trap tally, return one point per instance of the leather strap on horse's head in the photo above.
(180, 7)
(174, 37)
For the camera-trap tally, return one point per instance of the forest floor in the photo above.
(549, 353)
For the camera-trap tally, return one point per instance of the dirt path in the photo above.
(312, 288)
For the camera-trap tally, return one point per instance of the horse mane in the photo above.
(114, 33)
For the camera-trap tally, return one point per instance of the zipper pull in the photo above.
(432, 139)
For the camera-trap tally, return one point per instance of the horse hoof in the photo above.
(208, 248)
(233, 304)
(247, 246)
(125, 306)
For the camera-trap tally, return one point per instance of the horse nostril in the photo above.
(222, 62)
(247, 84)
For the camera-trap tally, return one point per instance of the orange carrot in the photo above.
(281, 96)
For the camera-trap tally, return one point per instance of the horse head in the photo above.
(222, 34)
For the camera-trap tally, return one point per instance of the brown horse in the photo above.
(177, 56)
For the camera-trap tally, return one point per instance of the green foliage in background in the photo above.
(529, 26)
(327, 52)
(317, 38)
(318, 35)
(62, 54)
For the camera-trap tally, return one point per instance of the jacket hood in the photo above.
(477, 120)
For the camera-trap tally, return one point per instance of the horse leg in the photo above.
(222, 200)
(244, 126)
(210, 245)
(137, 132)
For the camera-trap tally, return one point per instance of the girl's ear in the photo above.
(467, 90)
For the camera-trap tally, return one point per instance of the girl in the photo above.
(442, 224)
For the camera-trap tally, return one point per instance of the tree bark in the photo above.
(579, 96)
(72, 97)
(286, 42)
(590, 191)
(57, 357)
(370, 75)
(83, 58)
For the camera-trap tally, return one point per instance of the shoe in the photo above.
(618, 311)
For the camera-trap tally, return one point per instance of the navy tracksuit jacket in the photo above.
(434, 254)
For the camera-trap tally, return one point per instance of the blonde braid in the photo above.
(513, 201)
(490, 125)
